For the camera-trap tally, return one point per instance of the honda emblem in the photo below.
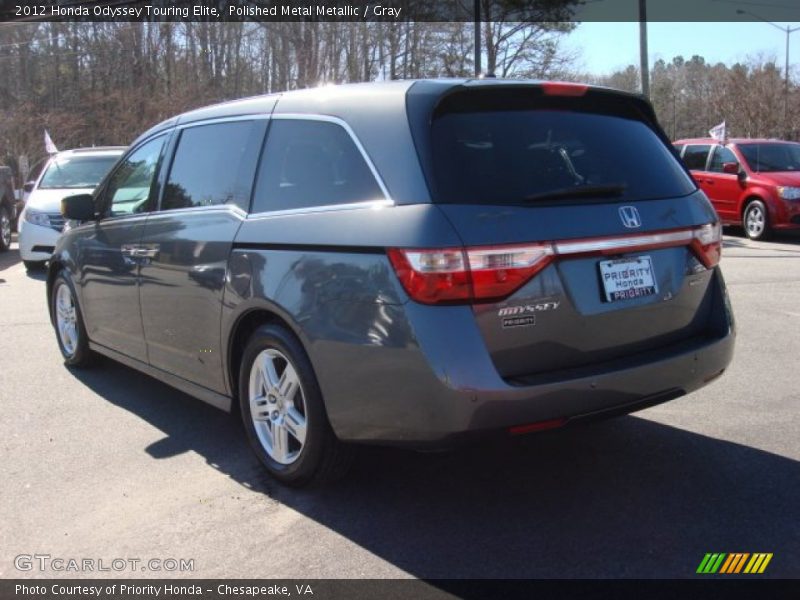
(630, 217)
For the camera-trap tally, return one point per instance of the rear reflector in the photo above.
(484, 273)
(564, 88)
(539, 426)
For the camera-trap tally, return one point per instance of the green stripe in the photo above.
(701, 568)
(718, 563)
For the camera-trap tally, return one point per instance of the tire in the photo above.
(34, 265)
(68, 324)
(756, 221)
(5, 228)
(283, 412)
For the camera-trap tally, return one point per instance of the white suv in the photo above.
(66, 173)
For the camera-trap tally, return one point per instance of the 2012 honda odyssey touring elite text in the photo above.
(401, 263)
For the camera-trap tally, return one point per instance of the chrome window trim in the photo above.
(229, 119)
(232, 208)
(372, 204)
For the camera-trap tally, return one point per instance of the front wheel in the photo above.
(5, 229)
(756, 221)
(283, 413)
(68, 322)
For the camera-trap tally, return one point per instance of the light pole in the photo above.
(788, 31)
(477, 15)
(644, 66)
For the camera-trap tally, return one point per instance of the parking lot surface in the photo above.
(108, 463)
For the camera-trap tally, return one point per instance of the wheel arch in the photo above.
(244, 325)
(54, 267)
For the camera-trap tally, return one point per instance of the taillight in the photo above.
(483, 273)
(707, 244)
(467, 274)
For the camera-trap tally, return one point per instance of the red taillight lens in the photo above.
(707, 244)
(480, 274)
(433, 276)
(463, 275)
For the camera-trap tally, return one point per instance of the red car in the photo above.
(752, 183)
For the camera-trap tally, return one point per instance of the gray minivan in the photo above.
(412, 262)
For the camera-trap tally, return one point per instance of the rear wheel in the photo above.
(283, 413)
(5, 228)
(68, 322)
(756, 221)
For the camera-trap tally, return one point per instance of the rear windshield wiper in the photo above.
(611, 190)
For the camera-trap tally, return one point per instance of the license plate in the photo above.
(627, 278)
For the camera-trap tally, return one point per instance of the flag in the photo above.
(718, 132)
(48, 144)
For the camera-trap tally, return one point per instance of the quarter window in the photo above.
(694, 157)
(129, 186)
(213, 164)
(311, 163)
(721, 156)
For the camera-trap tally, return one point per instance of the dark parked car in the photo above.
(8, 207)
(405, 263)
(752, 183)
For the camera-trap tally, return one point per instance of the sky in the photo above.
(605, 47)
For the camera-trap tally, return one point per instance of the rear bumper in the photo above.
(434, 391)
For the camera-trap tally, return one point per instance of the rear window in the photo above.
(508, 155)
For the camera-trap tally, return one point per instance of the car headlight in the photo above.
(37, 218)
(789, 193)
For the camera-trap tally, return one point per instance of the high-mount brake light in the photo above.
(564, 88)
(484, 273)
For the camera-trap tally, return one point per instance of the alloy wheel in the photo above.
(66, 319)
(755, 221)
(5, 229)
(277, 406)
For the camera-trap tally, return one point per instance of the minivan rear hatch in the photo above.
(584, 238)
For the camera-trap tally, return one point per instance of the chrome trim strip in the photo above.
(229, 119)
(626, 242)
(213, 208)
(344, 125)
(373, 204)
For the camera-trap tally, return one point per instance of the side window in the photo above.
(213, 164)
(721, 156)
(311, 163)
(694, 157)
(128, 190)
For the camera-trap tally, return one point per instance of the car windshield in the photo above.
(76, 171)
(768, 158)
(523, 156)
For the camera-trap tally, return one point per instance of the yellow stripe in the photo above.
(741, 562)
(757, 564)
(765, 563)
(749, 566)
(727, 562)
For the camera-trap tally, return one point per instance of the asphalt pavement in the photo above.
(108, 464)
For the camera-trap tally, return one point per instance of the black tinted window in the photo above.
(211, 165)
(694, 157)
(721, 156)
(512, 156)
(311, 163)
(764, 158)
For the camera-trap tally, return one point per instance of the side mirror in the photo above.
(731, 168)
(742, 176)
(27, 187)
(79, 207)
